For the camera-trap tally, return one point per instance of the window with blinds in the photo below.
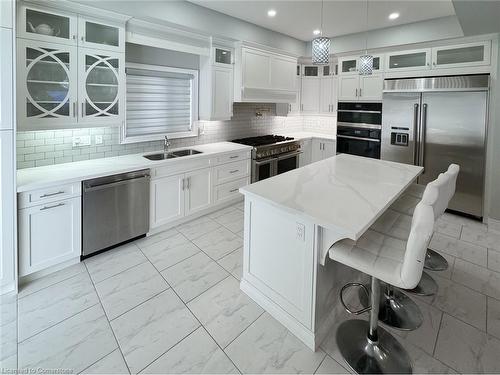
(160, 101)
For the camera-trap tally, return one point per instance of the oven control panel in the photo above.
(276, 150)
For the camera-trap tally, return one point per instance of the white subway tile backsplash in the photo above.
(38, 148)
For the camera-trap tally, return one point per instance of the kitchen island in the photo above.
(292, 220)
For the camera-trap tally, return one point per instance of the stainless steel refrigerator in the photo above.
(436, 121)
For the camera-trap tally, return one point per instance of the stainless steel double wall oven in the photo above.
(359, 127)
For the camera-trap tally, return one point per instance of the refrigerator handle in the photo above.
(422, 136)
(416, 143)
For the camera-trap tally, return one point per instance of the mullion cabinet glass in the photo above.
(408, 60)
(47, 79)
(101, 84)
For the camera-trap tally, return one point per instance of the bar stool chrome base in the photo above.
(364, 356)
(435, 261)
(427, 286)
(396, 309)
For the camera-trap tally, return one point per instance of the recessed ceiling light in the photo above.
(271, 13)
(317, 32)
(393, 16)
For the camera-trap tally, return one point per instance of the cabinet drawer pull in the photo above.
(233, 190)
(52, 194)
(49, 207)
(234, 157)
(236, 170)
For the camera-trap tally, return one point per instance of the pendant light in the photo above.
(321, 46)
(366, 61)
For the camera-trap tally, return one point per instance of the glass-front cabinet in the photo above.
(100, 35)
(101, 85)
(349, 65)
(409, 60)
(47, 25)
(47, 84)
(456, 56)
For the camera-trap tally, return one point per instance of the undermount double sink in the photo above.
(171, 155)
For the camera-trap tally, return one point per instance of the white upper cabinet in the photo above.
(348, 87)
(222, 93)
(46, 84)
(216, 85)
(47, 25)
(97, 34)
(462, 55)
(360, 88)
(6, 13)
(6, 79)
(419, 59)
(310, 97)
(370, 87)
(283, 73)
(71, 69)
(328, 101)
(263, 76)
(102, 86)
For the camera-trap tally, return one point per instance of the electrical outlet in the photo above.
(83, 140)
(98, 139)
(301, 232)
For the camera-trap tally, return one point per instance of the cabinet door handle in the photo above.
(75, 109)
(233, 190)
(188, 183)
(49, 207)
(74, 36)
(360, 92)
(83, 109)
(233, 157)
(356, 93)
(183, 184)
(82, 38)
(52, 194)
(234, 171)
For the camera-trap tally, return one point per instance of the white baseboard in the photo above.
(48, 271)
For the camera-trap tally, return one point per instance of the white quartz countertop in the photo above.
(40, 177)
(309, 135)
(344, 193)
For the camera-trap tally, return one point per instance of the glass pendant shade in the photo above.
(365, 65)
(321, 50)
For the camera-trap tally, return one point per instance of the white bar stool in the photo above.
(366, 347)
(396, 308)
(433, 260)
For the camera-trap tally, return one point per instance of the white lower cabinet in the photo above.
(198, 191)
(322, 149)
(174, 197)
(49, 234)
(167, 200)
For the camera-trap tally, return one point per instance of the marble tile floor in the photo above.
(171, 303)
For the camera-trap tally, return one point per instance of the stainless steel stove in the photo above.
(272, 155)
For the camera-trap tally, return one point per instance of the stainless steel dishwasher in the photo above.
(115, 209)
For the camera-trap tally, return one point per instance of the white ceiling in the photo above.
(299, 18)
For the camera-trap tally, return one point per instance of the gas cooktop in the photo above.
(263, 140)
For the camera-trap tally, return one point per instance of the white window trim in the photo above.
(194, 102)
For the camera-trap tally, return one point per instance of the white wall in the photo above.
(202, 19)
(418, 32)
